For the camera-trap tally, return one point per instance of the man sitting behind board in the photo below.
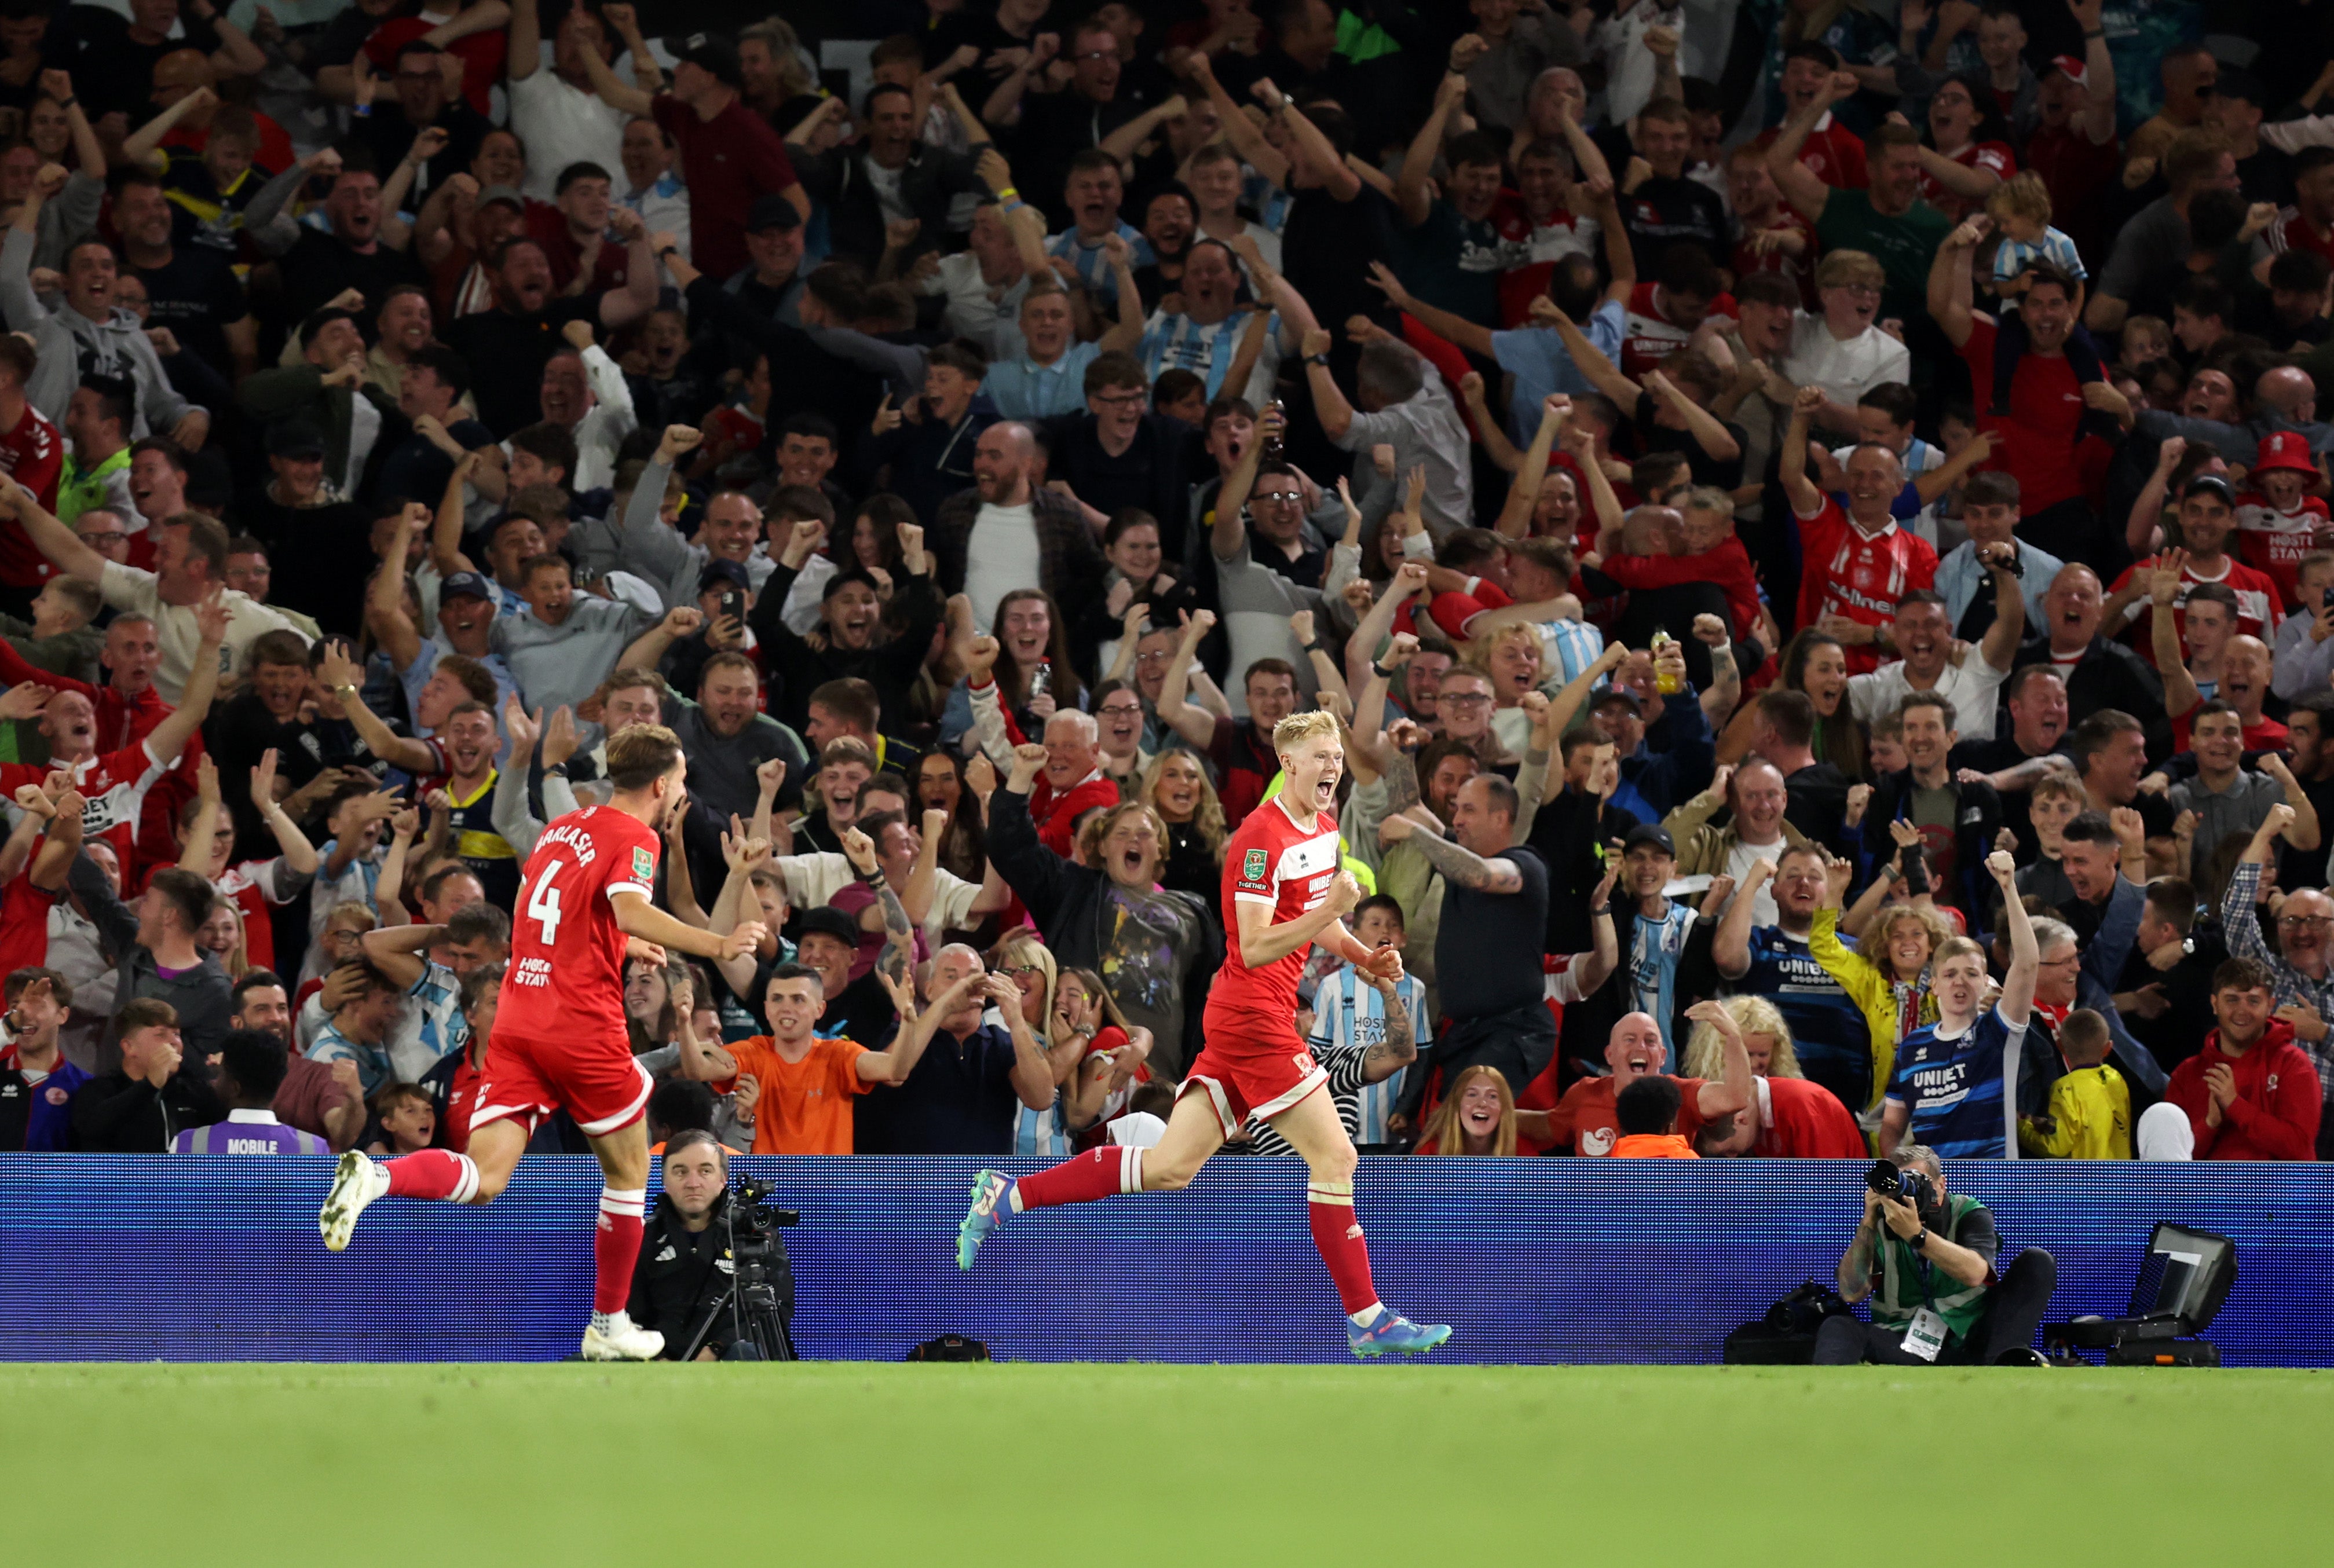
(1928, 1266)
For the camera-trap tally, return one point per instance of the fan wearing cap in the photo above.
(2278, 520)
(729, 154)
(2073, 144)
(2208, 516)
(722, 632)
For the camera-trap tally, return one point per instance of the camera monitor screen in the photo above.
(2187, 1273)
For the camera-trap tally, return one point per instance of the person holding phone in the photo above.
(724, 596)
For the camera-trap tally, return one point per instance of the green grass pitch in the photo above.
(1414, 1464)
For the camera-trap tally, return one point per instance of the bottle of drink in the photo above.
(1041, 680)
(1665, 681)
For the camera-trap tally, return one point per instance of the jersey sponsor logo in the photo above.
(530, 972)
(1252, 866)
(1597, 1141)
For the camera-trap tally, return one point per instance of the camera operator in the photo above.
(1925, 1258)
(685, 1268)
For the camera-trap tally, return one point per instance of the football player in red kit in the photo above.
(559, 1041)
(1283, 893)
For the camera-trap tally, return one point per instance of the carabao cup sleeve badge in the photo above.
(1252, 868)
(644, 864)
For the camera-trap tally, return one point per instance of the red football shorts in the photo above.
(1252, 1076)
(599, 1084)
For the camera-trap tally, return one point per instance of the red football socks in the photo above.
(1102, 1172)
(433, 1173)
(616, 1247)
(1330, 1208)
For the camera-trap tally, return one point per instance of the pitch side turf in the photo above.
(832, 1463)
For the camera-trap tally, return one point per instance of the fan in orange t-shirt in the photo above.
(806, 1083)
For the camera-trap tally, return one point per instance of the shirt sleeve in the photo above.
(1255, 880)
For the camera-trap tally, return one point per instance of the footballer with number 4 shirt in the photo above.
(1283, 892)
(559, 1042)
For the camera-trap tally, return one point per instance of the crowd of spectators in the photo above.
(1816, 535)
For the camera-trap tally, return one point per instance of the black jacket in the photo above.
(1977, 818)
(680, 1276)
(2109, 675)
(929, 182)
(115, 1113)
(797, 667)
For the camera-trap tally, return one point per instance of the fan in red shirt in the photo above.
(1283, 892)
(1586, 1119)
(560, 1041)
(481, 51)
(114, 783)
(2038, 423)
(1707, 550)
(1661, 318)
(2074, 146)
(1854, 566)
(575, 223)
(32, 453)
(2208, 517)
(1960, 167)
(729, 156)
(2250, 1094)
(1832, 152)
(2278, 523)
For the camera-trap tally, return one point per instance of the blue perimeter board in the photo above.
(107, 1257)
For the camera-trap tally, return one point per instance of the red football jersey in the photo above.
(114, 786)
(2274, 542)
(1832, 153)
(2291, 231)
(2259, 605)
(1649, 336)
(1273, 862)
(33, 455)
(1992, 155)
(566, 979)
(1861, 576)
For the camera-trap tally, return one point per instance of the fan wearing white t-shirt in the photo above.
(1928, 661)
(1841, 346)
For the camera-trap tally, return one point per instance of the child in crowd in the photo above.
(2278, 521)
(1350, 1015)
(1885, 752)
(2021, 209)
(2053, 802)
(2090, 1107)
(1180, 395)
(406, 1117)
(2146, 341)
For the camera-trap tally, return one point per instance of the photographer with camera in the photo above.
(1925, 1258)
(693, 1268)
